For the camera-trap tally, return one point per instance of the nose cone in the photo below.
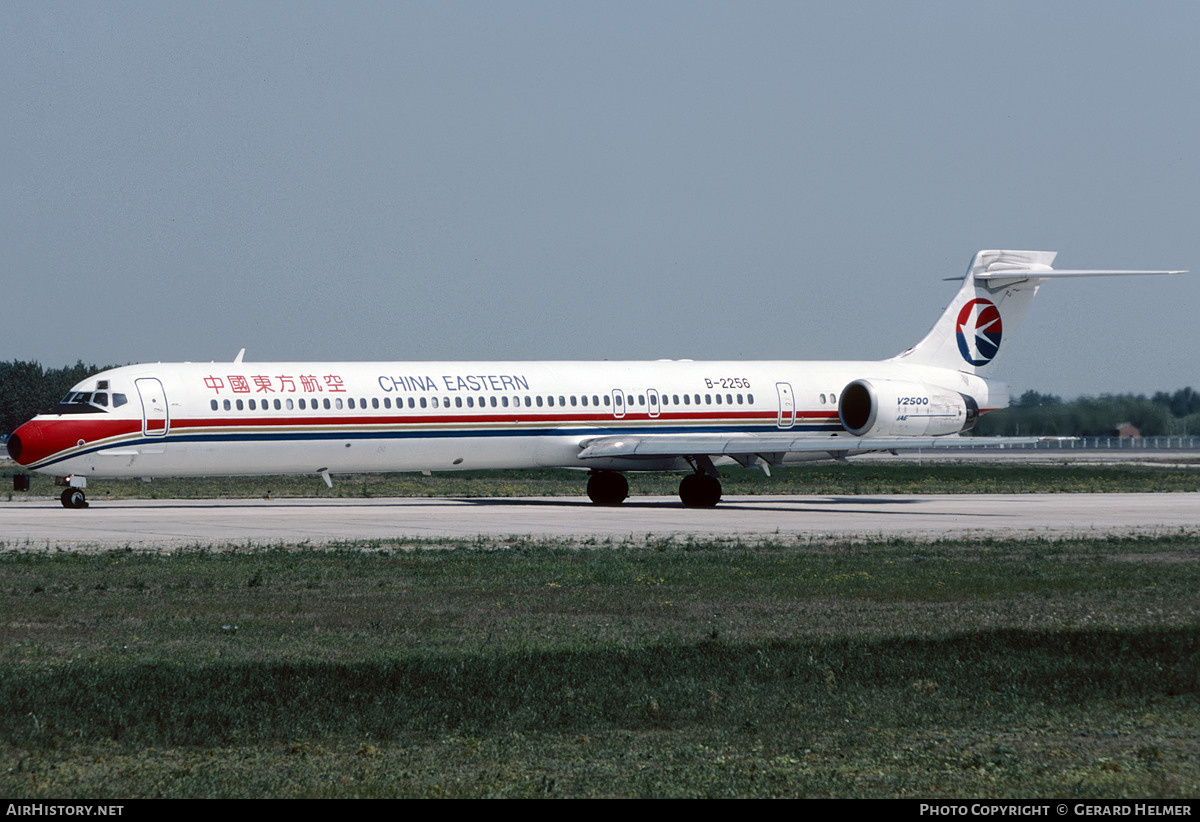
(27, 444)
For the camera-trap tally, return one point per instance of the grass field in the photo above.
(818, 478)
(520, 668)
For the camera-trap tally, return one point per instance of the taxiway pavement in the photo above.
(40, 524)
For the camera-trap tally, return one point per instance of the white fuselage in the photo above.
(197, 419)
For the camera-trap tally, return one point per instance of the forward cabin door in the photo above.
(155, 420)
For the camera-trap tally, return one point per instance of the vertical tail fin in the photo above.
(997, 290)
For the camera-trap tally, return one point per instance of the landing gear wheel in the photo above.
(74, 498)
(607, 488)
(700, 491)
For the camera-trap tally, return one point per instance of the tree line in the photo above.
(1034, 414)
(26, 389)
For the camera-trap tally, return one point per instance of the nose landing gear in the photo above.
(74, 498)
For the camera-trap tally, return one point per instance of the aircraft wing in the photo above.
(772, 446)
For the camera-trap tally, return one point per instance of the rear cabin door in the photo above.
(787, 405)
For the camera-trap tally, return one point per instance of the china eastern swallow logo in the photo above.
(978, 330)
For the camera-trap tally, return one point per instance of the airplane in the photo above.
(325, 418)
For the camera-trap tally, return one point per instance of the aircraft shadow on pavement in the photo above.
(741, 505)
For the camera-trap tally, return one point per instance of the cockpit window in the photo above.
(89, 402)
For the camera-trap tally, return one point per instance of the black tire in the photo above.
(700, 491)
(74, 498)
(607, 488)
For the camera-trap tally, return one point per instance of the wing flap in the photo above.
(655, 446)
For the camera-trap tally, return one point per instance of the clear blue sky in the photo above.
(564, 180)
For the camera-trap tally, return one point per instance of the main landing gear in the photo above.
(74, 498)
(607, 488)
(699, 490)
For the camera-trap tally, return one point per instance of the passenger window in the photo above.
(493, 402)
(225, 404)
(277, 405)
(212, 404)
(289, 403)
(253, 405)
(718, 399)
(239, 406)
(338, 403)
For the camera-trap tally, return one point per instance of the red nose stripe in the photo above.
(37, 440)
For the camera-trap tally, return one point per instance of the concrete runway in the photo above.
(38, 524)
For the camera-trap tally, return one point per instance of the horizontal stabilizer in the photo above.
(997, 290)
(1050, 275)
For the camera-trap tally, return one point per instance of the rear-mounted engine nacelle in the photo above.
(895, 408)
